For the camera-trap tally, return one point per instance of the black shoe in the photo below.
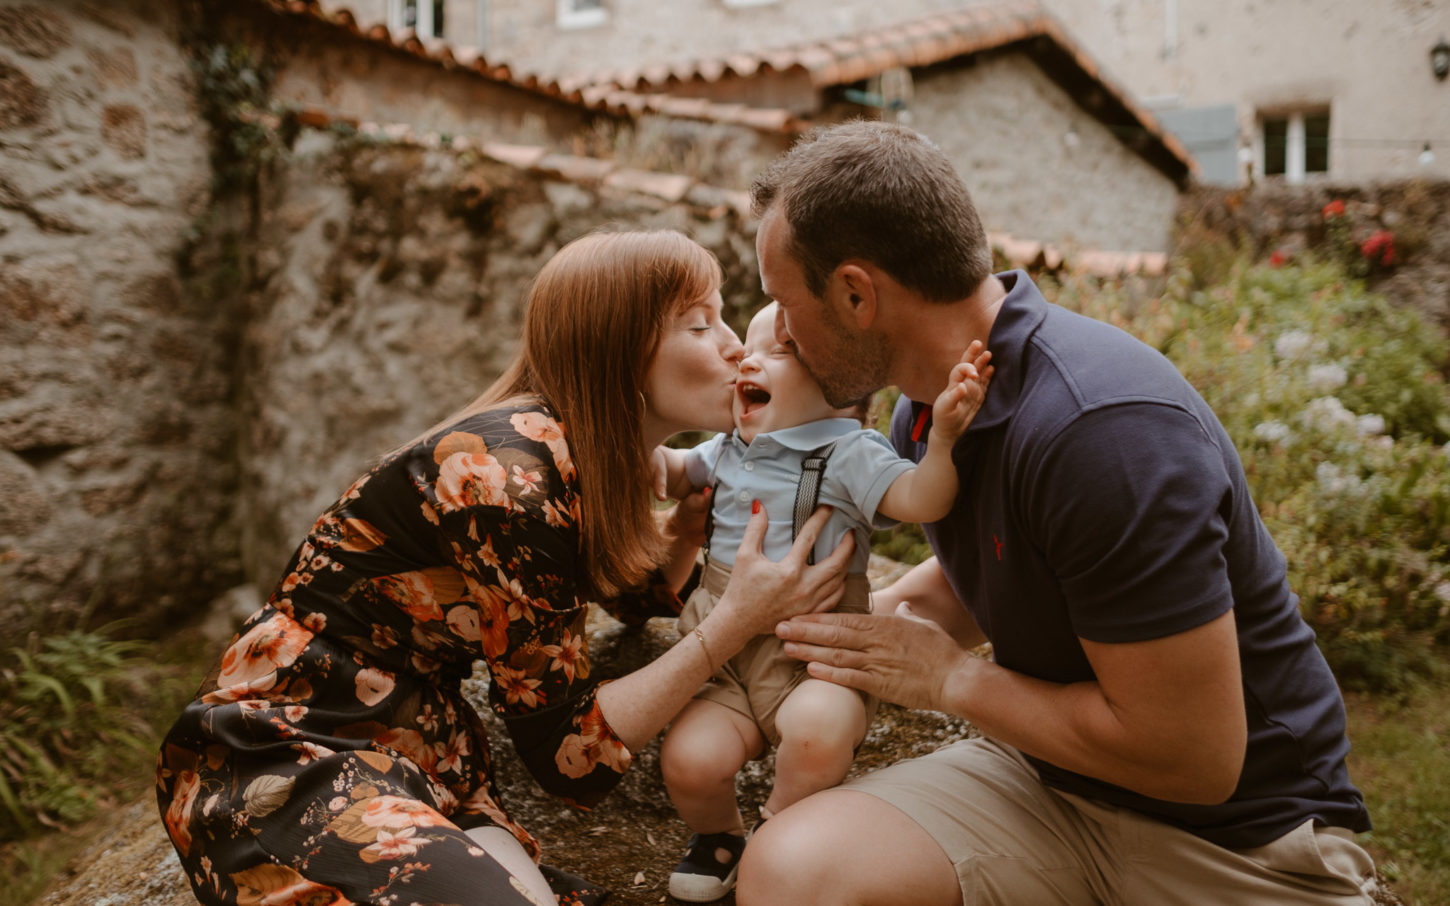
(707, 872)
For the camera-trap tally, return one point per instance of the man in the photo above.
(1158, 724)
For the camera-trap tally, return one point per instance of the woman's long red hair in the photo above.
(591, 328)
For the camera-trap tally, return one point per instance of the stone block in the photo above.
(123, 129)
(24, 505)
(114, 69)
(34, 30)
(22, 102)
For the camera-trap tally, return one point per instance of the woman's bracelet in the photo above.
(705, 648)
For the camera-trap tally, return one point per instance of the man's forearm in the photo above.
(1174, 729)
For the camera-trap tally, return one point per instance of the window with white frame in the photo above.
(581, 13)
(1295, 145)
(423, 16)
(738, 3)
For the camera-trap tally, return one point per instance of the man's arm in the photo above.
(1165, 717)
(924, 592)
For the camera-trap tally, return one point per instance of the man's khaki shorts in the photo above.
(1014, 841)
(756, 681)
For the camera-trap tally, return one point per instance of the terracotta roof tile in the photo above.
(572, 168)
(610, 98)
(521, 156)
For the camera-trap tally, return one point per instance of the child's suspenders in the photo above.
(807, 495)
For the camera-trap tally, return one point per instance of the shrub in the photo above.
(1337, 403)
(71, 726)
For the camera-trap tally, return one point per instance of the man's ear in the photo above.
(859, 292)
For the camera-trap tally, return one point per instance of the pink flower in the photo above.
(397, 812)
(267, 646)
(470, 479)
(1279, 258)
(1334, 209)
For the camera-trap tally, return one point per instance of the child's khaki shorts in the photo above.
(756, 681)
(1012, 840)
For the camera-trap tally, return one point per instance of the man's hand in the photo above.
(898, 657)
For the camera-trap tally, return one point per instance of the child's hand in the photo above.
(966, 388)
(659, 466)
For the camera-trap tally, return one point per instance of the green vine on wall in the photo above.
(234, 88)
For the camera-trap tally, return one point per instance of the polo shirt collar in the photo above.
(1022, 311)
(809, 436)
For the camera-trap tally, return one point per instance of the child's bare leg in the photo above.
(820, 725)
(706, 746)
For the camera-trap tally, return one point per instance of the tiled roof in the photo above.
(710, 201)
(924, 42)
(600, 98)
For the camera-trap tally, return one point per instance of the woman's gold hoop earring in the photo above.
(644, 402)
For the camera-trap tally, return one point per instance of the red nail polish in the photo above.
(755, 507)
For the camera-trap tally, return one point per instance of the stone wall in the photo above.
(387, 292)
(1039, 165)
(198, 353)
(1289, 221)
(316, 64)
(186, 380)
(116, 427)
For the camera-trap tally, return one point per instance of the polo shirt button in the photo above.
(749, 467)
(743, 497)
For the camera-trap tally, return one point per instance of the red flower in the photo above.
(1334, 209)
(1379, 248)
(1279, 258)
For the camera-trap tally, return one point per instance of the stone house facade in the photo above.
(1002, 87)
(1344, 90)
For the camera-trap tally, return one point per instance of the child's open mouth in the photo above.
(752, 397)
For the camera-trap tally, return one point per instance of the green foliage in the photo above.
(1398, 761)
(233, 88)
(1337, 403)
(70, 720)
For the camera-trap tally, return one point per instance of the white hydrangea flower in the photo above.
(1333, 479)
(1272, 431)
(1370, 425)
(1327, 413)
(1293, 344)
(1327, 378)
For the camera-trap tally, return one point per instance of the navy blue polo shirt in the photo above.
(1101, 499)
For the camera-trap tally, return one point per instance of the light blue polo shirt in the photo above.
(861, 468)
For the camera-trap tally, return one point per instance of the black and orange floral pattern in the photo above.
(330, 757)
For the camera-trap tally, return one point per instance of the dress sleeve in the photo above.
(508, 505)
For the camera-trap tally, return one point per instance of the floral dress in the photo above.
(330, 757)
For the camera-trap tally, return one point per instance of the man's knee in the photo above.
(788, 856)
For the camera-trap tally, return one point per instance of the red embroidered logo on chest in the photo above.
(998, 543)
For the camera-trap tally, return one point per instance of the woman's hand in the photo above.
(899, 657)
(763, 592)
